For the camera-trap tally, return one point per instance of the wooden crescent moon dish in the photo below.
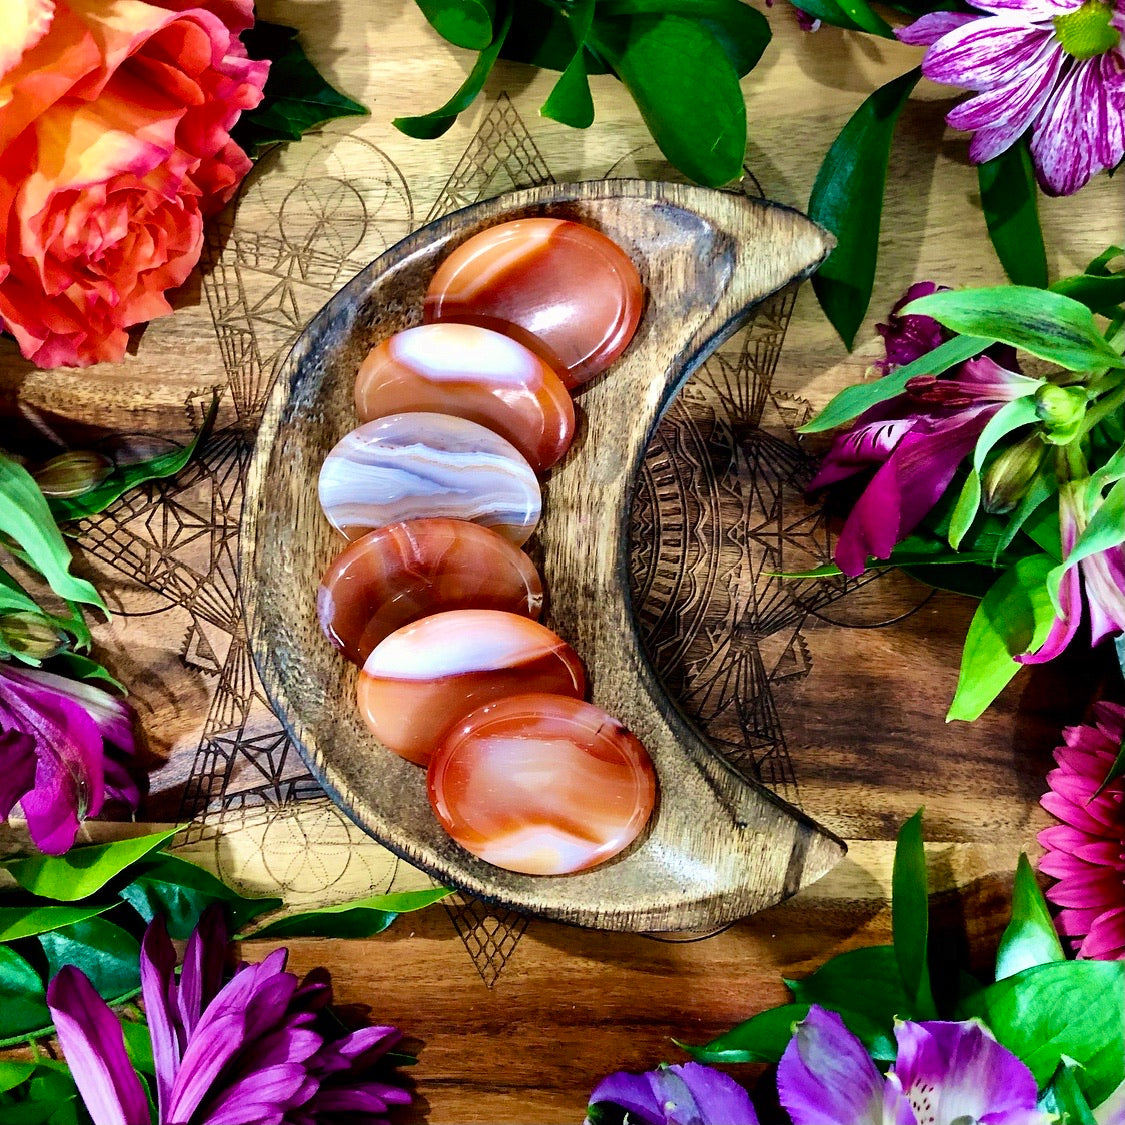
(719, 846)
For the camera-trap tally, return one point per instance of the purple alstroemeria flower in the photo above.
(944, 1073)
(1054, 67)
(686, 1094)
(65, 748)
(916, 440)
(252, 1050)
(907, 338)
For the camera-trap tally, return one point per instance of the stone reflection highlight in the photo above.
(474, 373)
(424, 678)
(424, 465)
(400, 573)
(542, 784)
(565, 290)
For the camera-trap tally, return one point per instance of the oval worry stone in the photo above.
(405, 571)
(419, 682)
(565, 290)
(418, 466)
(474, 373)
(542, 784)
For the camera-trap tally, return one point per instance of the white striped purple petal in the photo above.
(1029, 10)
(1015, 103)
(1062, 151)
(985, 53)
(928, 29)
(94, 1045)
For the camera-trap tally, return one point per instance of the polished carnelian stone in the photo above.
(400, 573)
(419, 682)
(542, 784)
(474, 373)
(564, 290)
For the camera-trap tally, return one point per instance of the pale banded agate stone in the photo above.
(474, 373)
(419, 682)
(542, 784)
(565, 290)
(405, 571)
(424, 465)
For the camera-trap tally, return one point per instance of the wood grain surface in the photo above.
(859, 687)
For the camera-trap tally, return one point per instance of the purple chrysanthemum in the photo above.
(252, 1050)
(65, 748)
(1054, 67)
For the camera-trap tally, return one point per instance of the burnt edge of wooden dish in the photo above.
(719, 846)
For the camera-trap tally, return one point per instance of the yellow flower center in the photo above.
(1087, 32)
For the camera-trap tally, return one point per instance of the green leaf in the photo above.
(27, 921)
(1011, 416)
(82, 871)
(13, 1072)
(764, 1037)
(828, 11)
(847, 198)
(14, 598)
(570, 101)
(296, 96)
(1074, 1009)
(26, 518)
(464, 23)
(1030, 938)
(129, 476)
(910, 917)
(543, 38)
(23, 1001)
(1015, 616)
(138, 1045)
(1106, 528)
(181, 892)
(361, 918)
(1043, 486)
(1099, 294)
(1064, 1097)
(867, 981)
(1046, 324)
(77, 667)
(107, 954)
(742, 32)
(1010, 200)
(686, 89)
(852, 401)
(430, 125)
(865, 18)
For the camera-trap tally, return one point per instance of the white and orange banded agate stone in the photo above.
(542, 784)
(400, 573)
(474, 373)
(564, 290)
(425, 465)
(425, 677)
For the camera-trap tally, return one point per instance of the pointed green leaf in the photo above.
(296, 96)
(910, 917)
(866, 981)
(107, 954)
(82, 871)
(427, 126)
(1064, 1097)
(569, 102)
(78, 667)
(1030, 938)
(129, 476)
(13, 1072)
(1015, 616)
(1010, 200)
(360, 918)
(464, 23)
(1072, 1009)
(847, 198)
(1099, 294)
(852, 401)
(1106, 528)
(686, 89)
(26, 518)
(1046, 324)
(23, 1000)
(27, 921)
(1043, 486)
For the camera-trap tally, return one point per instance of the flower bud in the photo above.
(1061, 410)
(31, 635)
(1008, 477)
(72, 474)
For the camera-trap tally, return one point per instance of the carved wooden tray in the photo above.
(719, 845)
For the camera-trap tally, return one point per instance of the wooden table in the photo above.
(516, 1020)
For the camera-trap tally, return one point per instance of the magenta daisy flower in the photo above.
(1086, 853)
(1054, 67)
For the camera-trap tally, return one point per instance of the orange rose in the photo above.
(115, 120)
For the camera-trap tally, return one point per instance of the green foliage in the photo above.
(910, 908)
(1030, 938)
(360, 918)
(1098, 288)
(23, 1000)
(1010, 201)
(847, 199)
(296, 97)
